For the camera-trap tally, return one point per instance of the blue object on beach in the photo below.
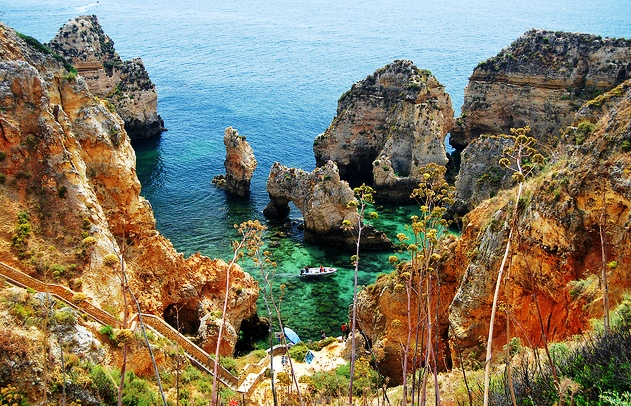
(291, 336)
(309, 357)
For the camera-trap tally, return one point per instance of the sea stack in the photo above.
(240, 164)
(388, 126)
(124, 84)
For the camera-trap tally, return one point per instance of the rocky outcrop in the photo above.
(124, 84)
(556, 259)
(323, 199)
(552, 275)
(240, 164)
(540, 81)
(480, 175)
(67, 172)
(387, 127)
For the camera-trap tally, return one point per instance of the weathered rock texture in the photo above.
(125, 84)
(480, 175)
(323, 199)
(557, 254)
(387, 127)
(240, 164)
(554, 265)
(67, 164)
(540, 81)
(382, 315)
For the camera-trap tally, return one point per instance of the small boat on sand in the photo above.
(321, 271)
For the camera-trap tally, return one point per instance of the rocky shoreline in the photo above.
(68, 176)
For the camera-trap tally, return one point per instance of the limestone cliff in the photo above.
(480, 175)
(552, 279)
(125, 84)
(387, 127)
(540, 80)
(556, 260)
(323, 199)
(71, 201)
(240, 164)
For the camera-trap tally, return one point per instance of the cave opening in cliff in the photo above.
(253, 333)
(182, 318)
(356, 176)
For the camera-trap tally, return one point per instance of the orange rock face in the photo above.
(66, 163)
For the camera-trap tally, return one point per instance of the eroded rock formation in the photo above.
(387, 127)
(125, 84)
(540, 81)
(67, 167)
(323, 199)
(557, 258)
(480, 175)
(552, 275)
(240, 164)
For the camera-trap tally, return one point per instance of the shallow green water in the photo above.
(310, 305)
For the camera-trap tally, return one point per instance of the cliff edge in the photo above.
(71, 201)
(124, 84)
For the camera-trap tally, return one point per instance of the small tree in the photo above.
(521, 158)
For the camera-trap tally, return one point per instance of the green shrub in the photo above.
(230, 364)
(65, 317)
(109, 332)
(22, 231)
(104, 384)
(298, 351)
(328, 383)
(625, 145)
(57, 270)
(137, 392)
(22, 311)
(190, 374)
(584, 130)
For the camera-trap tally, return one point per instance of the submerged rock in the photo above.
(387, 127)
(240, 164)
(323, 199)
(125, 84)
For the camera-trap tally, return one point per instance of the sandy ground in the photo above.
(327, 359)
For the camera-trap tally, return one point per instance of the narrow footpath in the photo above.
(198, 357)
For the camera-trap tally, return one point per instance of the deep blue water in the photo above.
(274, 70)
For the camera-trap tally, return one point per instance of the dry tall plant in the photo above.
(521, 158)
(363, 197)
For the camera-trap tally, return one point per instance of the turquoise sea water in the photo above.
(274, 70)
